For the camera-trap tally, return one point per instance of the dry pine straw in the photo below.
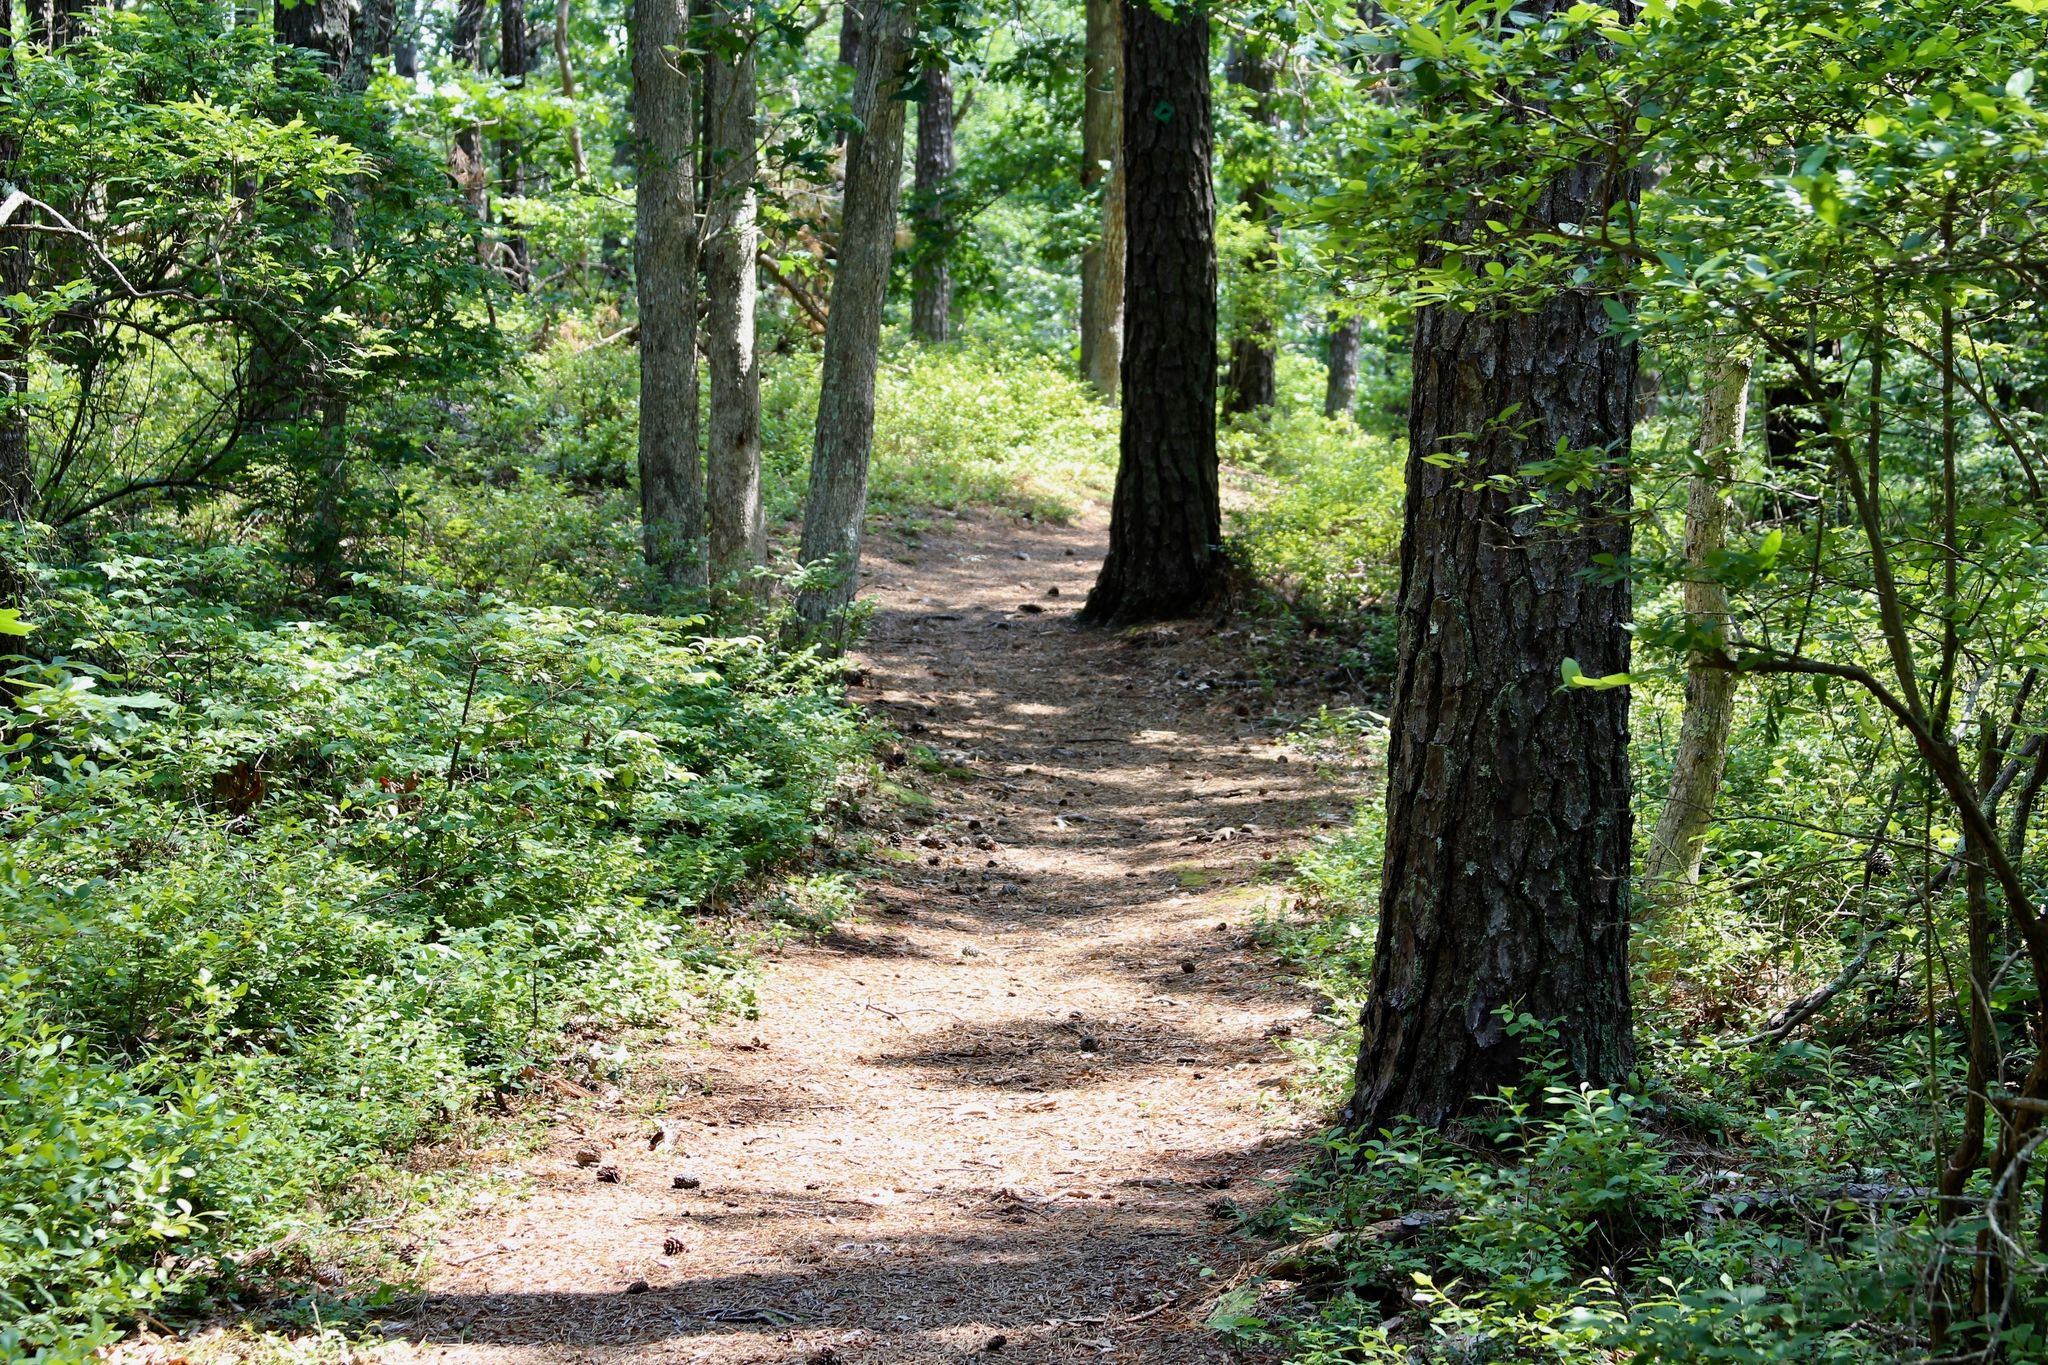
(1008, 1101)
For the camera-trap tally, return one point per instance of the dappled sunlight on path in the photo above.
(1015, 1096)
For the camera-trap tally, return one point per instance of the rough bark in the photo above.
(1102, 170)
(466, 152)
(324, 27)
(1252, 380)
(1166, 520)
(836, 506)
(513, 52)
(53, 24)
(578, 162)
(1347, 343)
(665, 277)
(931, 292)
(1688, 810)
(738, 534)
(376, 29)
(1506, 875)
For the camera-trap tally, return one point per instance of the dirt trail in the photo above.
(1009, 1098)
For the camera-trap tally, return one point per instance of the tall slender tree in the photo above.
(17, 262)
(1505, 887)
(836, 506)
(1102, 170)
(1347, 345)
(1252, 379)
(579, 163)
(514, 53)
(466, 151)
(737, 532)
(1688, 810)
(1166, 520)
(665, 276)
(931, 291)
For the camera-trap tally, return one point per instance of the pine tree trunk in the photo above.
(836, 506)
(325, 27)
(1166, 521)
(738, 535)
(1688, 811)
(1102, 165)
(665, 275)
(1347, 341)
(1506, 877)
(512, 65)
(466, 153)
(931, 296)
(1252, 380)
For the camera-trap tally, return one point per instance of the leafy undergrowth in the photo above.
(1732, 1203)
(296, 883)
(1316, 541)
(972, 425)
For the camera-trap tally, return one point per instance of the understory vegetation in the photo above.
(436, 445)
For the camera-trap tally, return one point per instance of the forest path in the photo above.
(1006, 1100)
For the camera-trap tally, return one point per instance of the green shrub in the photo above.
(958, 426)
(298, 905)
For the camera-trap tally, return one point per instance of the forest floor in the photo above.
(1005, 1108)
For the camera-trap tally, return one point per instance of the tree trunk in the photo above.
(738, 535)
(931, 295)
(1102, 165)
(17, 262)
(378, 27)
(1347, 338)
(1506, 874)
(324, 27)
(466, 153)
(405, 40)
(512, 65)
(837, 503)
(1675, 847)
(328, 28)
(1252, 380)
(577, 160)
(54, 24)
(665, 277)
(1166, 521)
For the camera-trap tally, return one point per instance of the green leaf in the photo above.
(11, 622)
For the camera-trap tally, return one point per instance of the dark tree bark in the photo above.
(665, 276)
(1506, 876)
(738, 534)
(325, 27)
(1347, 340)
(405, 39)
(849, 34)
(53, 24)
(836, 505)
(466, 153)
(1102, 165)
(514, 51)
(1166, 521)
(1252, 380)
(931, 293)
